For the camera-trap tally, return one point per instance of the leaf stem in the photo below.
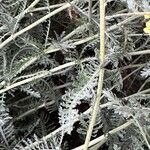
(128, 14)
(101, 74)
(44, 74)
(105, 137)
(45, 8)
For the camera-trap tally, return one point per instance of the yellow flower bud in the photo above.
(147, 16)
(147, 30)
(148, 23)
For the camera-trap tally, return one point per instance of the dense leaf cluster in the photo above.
(49, 70)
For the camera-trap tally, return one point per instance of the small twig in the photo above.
(31, 111)
(72, 33)
(141, 92)
(31, 6)
(132, 66)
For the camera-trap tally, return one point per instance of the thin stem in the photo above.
(44, 74)
(133, 72)
(32, 5)
(138, 34)
(142, 86)
(132, 66)
(101, 74)
(31, 111)
(142, 132)
(90, 10)
(105, 137)
(72, 33)
(113, 27)
(143, 52)
(136, 94)
(128, 14)
(62, 86)
(45, 8)
(4, 137)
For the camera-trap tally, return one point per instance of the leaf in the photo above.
(84, 124)
(6, 125)
(8, 20)
(83, 90)
(145, 72)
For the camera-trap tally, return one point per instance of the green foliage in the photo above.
(49, 71)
